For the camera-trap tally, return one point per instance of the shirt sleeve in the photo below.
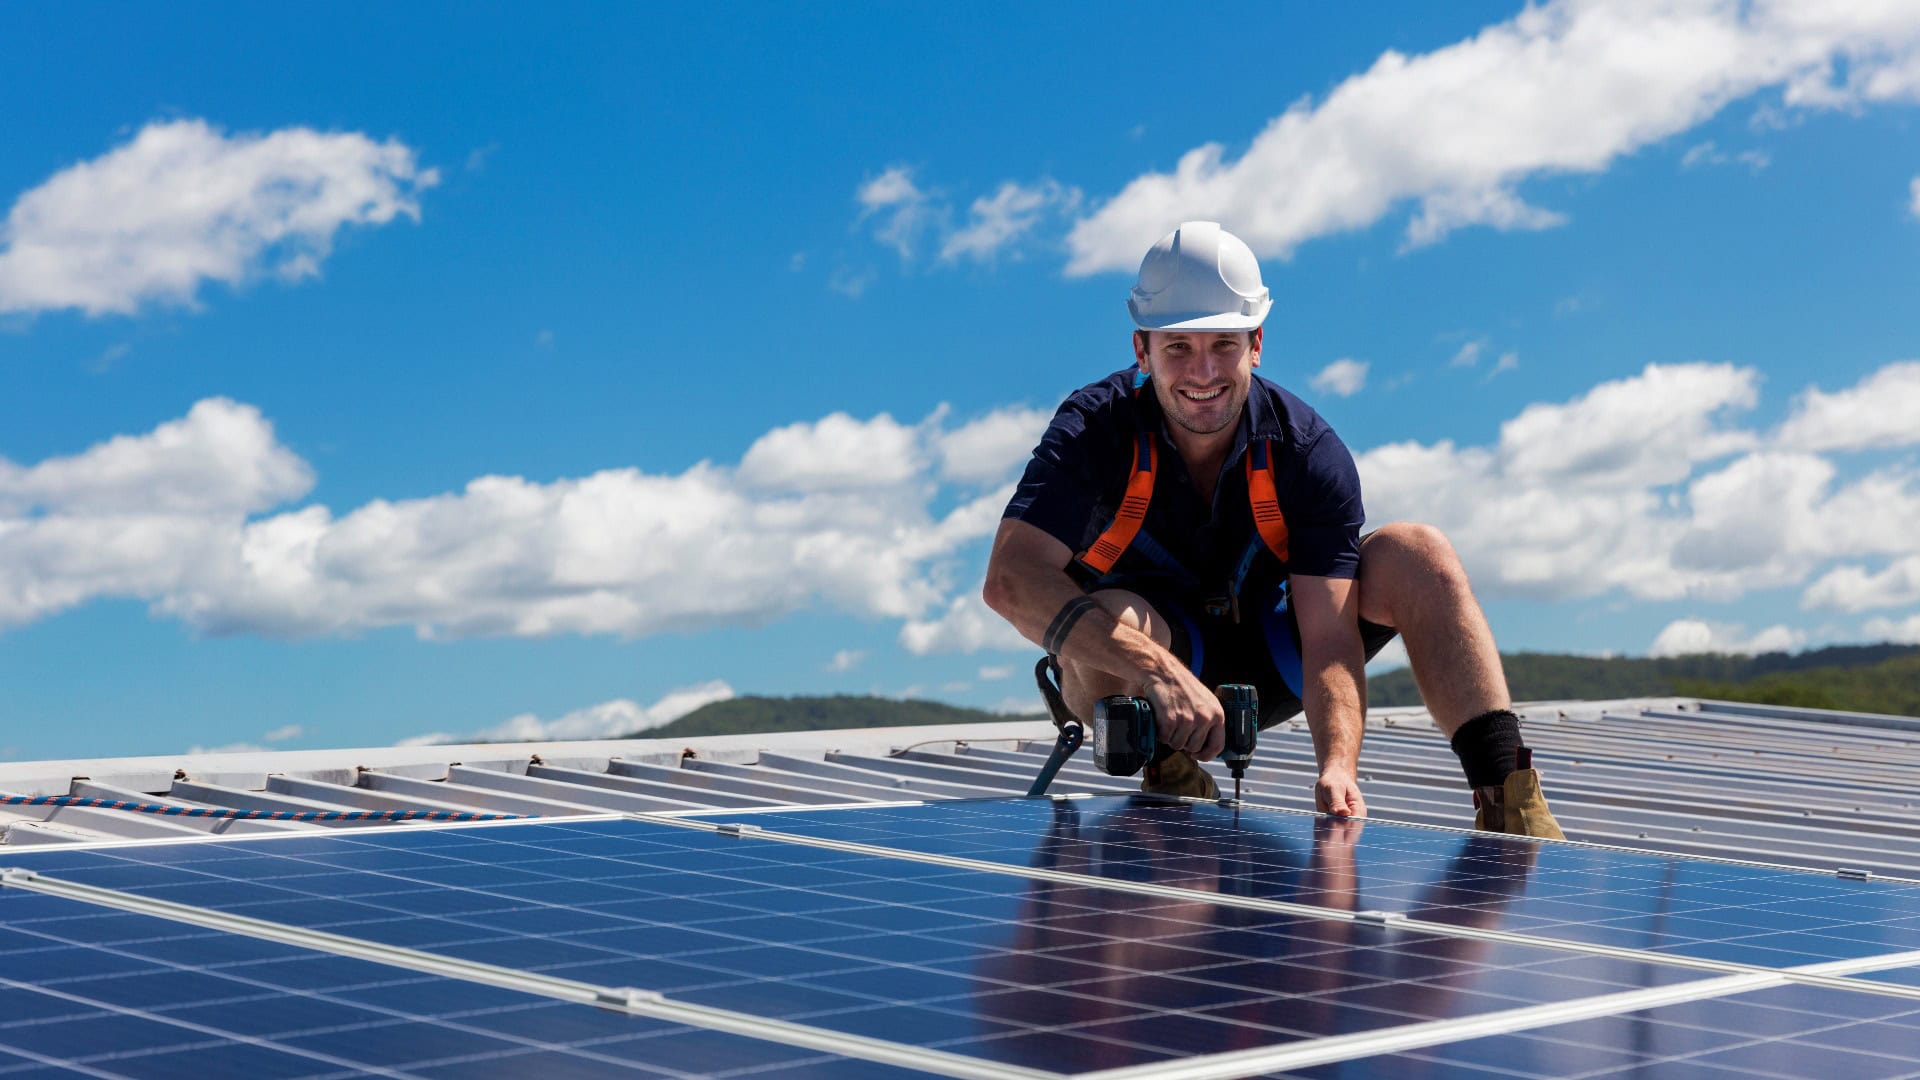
(1060, 489)
(1323, 525)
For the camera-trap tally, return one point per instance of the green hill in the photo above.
(761, 714)
(1866, 678)
(1891, 686)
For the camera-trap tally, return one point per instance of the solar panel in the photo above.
(1083, 934)
(1788, 1031)
(1687, 907)
(980, 964)
(106, 993)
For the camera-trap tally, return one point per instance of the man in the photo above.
(1191, 524)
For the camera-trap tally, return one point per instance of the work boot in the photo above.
(1179, 774)
(1517, 807)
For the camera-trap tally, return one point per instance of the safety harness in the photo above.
(1124, 531)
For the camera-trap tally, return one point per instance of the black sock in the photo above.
(1487, 747)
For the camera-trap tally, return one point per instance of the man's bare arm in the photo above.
(1028, 585)
(1333, 662)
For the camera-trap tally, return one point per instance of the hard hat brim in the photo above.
(1201, 321)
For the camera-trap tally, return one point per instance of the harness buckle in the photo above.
(1224, 606)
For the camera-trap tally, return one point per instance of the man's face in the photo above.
(1201, 378)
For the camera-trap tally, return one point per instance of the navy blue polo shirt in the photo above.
(1073, 487)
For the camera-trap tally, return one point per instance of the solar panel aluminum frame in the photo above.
(1816, 974)
(1737, 977)
(624, 999)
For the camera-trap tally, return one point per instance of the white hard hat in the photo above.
(1199, 277)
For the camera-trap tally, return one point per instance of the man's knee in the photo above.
(1080, 684)
(1406, 561)
(1409, 548)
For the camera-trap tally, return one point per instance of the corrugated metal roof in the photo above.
(1797, 787)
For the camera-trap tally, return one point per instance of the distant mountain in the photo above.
(1865, 678)
(741, 715)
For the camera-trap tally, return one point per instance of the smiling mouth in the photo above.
(1195, 395)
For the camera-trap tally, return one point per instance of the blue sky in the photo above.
(379, 373)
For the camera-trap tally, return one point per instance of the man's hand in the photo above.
(1188, 715)
(1337, 792)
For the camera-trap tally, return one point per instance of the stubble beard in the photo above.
(1177, 410)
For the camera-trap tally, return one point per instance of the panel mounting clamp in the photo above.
(1379, 918)
(626, 997)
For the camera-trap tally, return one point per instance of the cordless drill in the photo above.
(1124, 734)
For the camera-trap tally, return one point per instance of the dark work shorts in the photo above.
(1263, 648)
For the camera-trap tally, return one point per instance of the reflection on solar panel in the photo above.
(992, 938)
(105, 993)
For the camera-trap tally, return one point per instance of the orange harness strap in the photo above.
(1261, 493)
(1266, 501)
(1133, 510)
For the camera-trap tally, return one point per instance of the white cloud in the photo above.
(1564, 87)
(108, 357)
(197, 750)
(850, 283)
(137, 515)
(1622, 489)
(1905, 631)
(995, 672)
(277, 735)
(966, 626)
(846, 659)
(1507, 362)
(1913, 192)
(1012, 212)
(607, 720)
(899, 209)
(837, 513)
(1468, 354)
(1684, 637)
(984, 450)
(1853, 588)
(1445, 211)
(222, 457)
(903, 215)
(1881, 410)
(183, 204)
(1344, 377)
(1646, 486)
(1647, 429)
(836, 453)
(1709, 153)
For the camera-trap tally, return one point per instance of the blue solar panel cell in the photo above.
(1718, 911)
(1900, 976)
(1006, 968)
(1789, 1031)
(990, 965)
(131, 995)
